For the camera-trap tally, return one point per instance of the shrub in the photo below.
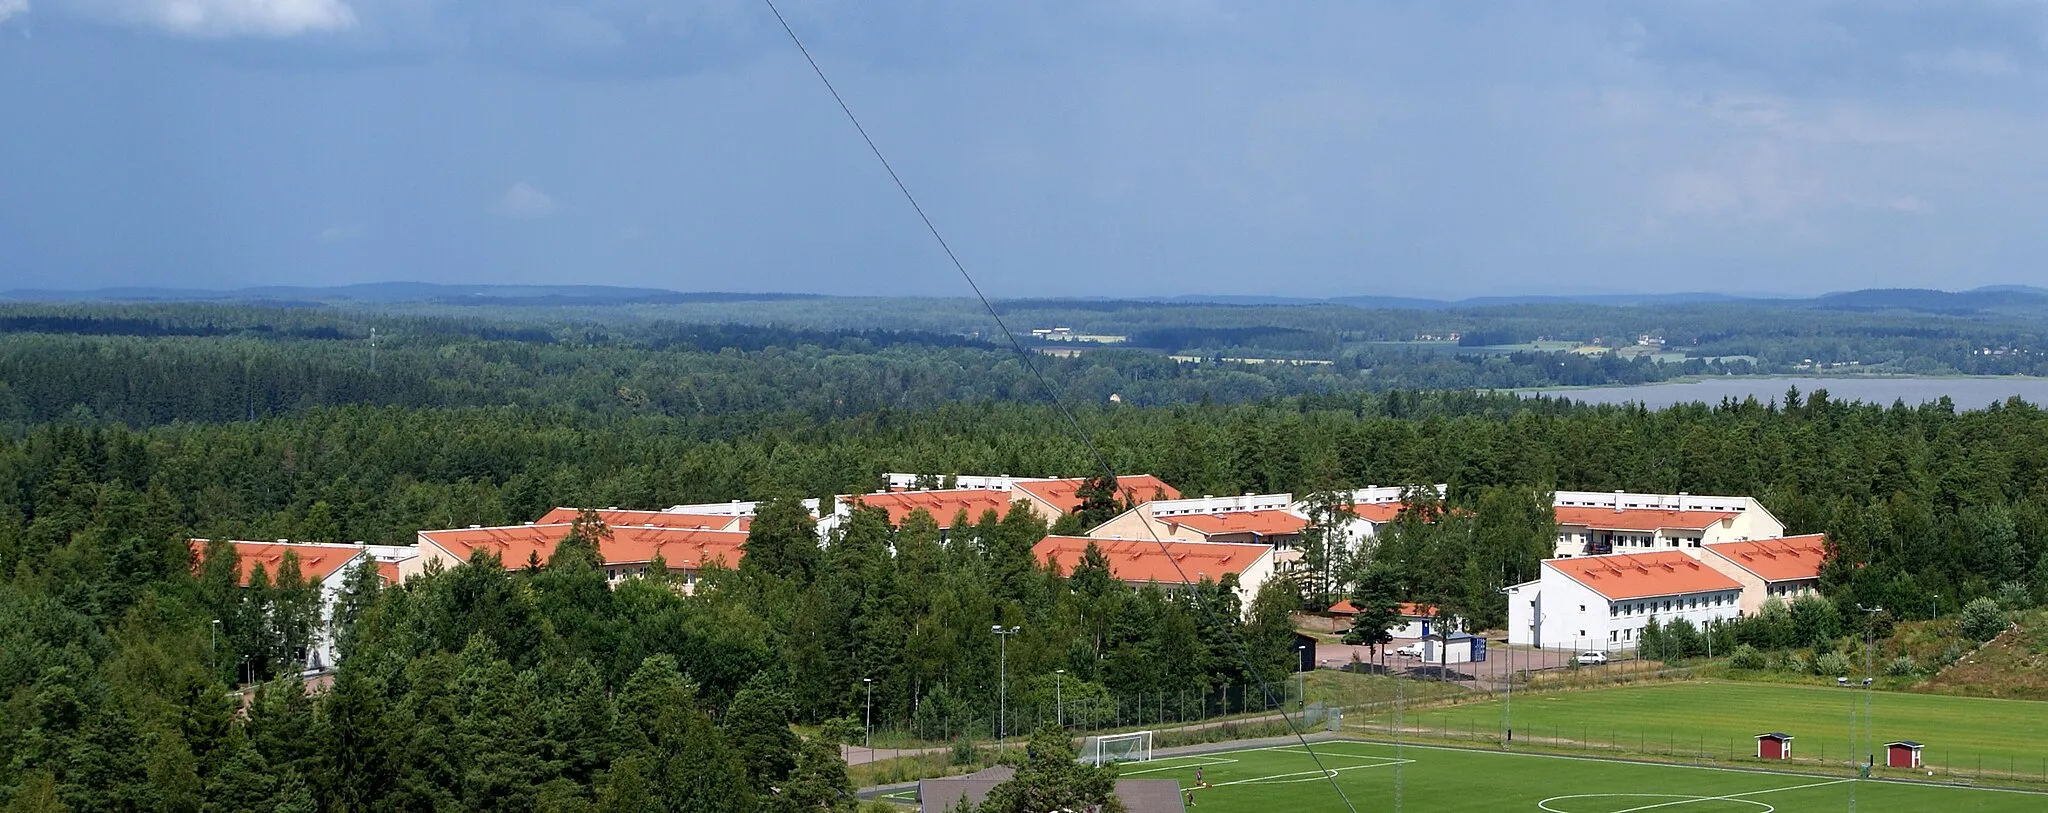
(2014, 597)
(1901, 666)
(1829, 664)
(1785, 662)
(1747, 657)
(963, 751)
(1982, 620)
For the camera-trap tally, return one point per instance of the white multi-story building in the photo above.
(1168, 564)
(1593, 523)
(1604, 602)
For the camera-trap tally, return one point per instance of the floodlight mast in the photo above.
(1003, 634)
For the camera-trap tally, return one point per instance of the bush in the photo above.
(1982, 620)
(1785, 662)
(1829, 664)
(963, 751)
(2014, 597)
(1747, 657)
(845, 730)
(1901, 666)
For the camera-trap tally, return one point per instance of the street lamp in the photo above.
(1059, 695)
(867, 737)
(1003, 634)
(1936, 606)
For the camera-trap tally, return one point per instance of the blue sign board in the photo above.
(1478, 648)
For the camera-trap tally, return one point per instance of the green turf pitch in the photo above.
(1964, 735)
(1441, 780)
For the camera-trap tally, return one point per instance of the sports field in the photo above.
(1286, 778)
(1718, 720)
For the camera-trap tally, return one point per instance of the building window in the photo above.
(1613, 610)
(1611, 636)
(1582, 608)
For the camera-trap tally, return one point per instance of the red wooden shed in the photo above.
(1775, 745)
(1902, 754)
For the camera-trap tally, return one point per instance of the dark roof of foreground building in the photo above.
(1138, 795)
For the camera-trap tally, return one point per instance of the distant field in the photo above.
(1963, 735)
(1443, 780)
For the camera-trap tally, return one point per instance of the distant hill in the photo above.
(394, 292)
(1930, 300)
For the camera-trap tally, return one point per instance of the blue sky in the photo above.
(1118, 147)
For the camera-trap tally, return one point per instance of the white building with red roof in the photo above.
(626, 552)
(1277, 520)
(1169, 564)
(1593, 523)
(324, 564)
(1604, 602)
(1786, 568)
(1050, 497)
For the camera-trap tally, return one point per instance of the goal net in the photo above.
(1133, 747)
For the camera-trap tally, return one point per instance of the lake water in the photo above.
(1967, 393)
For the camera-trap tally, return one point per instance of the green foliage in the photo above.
(1829, 664)
(1902, 666)
(1982, 619)
(1747, 657)
(1376, 597)
(1052, 779)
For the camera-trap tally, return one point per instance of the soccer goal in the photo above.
(1133, 747)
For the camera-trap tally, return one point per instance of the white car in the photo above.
(1409, 651)
(1592, 658)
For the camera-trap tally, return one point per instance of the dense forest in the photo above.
(542, 689)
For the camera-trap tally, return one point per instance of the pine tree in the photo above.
(757, 725)
(782, 541)
(359, 592)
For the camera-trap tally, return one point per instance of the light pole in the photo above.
(1935, 605)
(867, 737)
(1507, 707)
(1003, 634)
(1059, 695)
(1868, 678)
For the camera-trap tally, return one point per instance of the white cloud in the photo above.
(340, 233)
(223, 18)
(10, 8)
(523, 201)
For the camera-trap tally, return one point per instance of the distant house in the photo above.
(325, 564)
(1050, 497)
(1592, 523)
(1138, 795)
(1416, 621)
(1786, 568)
(658, 519)
(1165, 563)
(687, 551)
(1604, 602)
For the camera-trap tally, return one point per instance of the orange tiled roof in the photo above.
(1638, 519)
(1777, 560)
(388, 571)
(1640, 575)
(1143, 561)
(316, 562)
(1065, 494)
(664, 519)
(943, 505)
(1263, 523)
(1345, 607)
(1378, 511)
(629, 544)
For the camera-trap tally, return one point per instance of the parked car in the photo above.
(1409, 651)
(1592, 657)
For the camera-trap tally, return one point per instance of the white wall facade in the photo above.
(1558, 612)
